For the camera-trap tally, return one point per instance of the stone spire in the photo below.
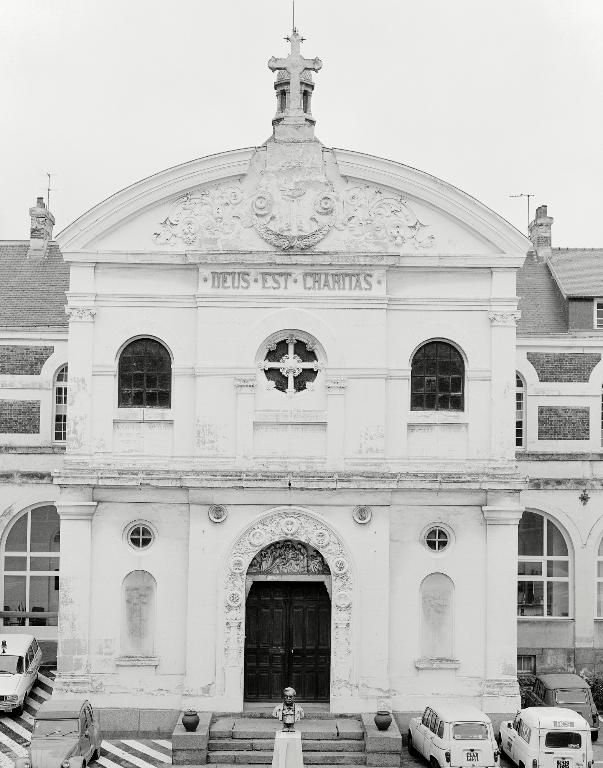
(294, 88)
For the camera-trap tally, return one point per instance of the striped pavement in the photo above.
(15, 735)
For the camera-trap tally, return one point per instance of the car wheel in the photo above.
(411, 746)
(500, 747)
(18, 711)
(96, 754)
(594, 735)
(433, 762)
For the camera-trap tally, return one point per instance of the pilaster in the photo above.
(335, 421)
(81, 350)
(245, 392)
(502, 392)
(500, 687)
(75, 597)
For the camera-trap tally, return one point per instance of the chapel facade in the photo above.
(271, 442)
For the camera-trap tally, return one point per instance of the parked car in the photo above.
(20, 659)
(547, 737)
(453, 736)
(565, 690)
(65, 735)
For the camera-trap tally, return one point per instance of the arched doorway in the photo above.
(300, 525)
(287, 623)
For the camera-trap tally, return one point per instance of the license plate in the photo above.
(473, 757)
(563, 764)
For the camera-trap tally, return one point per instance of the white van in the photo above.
(20, 659)
(454, 736)
(547, 737)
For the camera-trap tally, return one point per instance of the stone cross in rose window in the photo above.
(295, 64)
(291, 365)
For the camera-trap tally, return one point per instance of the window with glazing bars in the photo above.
(60, 405)
(519, 412)
(145, 375)
(437, 378)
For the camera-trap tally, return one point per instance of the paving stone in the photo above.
(189, 756)
(265, 758)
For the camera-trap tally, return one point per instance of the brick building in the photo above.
(271, 391)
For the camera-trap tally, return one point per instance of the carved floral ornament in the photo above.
(292, 212)
(504, 318)
(272, 542)
(85, 314)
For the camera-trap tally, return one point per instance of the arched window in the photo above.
(60, 405)
(543, 568)
(31, 568)
(306, 101)
(520, 412)
(138, 614)
(145, 375)
(437, 634)
(437, 378)
(282, 105)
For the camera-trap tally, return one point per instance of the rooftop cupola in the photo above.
(294, 86)
(40, 231)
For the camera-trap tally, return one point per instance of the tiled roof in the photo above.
(32, 291)
(543, 308)
(578, 271)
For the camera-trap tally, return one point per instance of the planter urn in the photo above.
(383, 720)
(190, 720)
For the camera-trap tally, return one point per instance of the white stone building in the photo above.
(290, 450)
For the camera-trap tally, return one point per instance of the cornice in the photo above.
(286, 478)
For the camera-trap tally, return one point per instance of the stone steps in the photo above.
(308, 745)
(231, 757)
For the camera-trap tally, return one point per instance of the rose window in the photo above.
(291, 365)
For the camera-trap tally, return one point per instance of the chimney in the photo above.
(40, 232)
(540, 232)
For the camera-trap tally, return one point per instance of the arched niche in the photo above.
(138, 614)
(437, 617)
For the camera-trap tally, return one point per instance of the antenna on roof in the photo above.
(48, 191)
(528, 195)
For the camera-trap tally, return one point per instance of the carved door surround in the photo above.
(300, 525)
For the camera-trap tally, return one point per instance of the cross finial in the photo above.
(295, 64)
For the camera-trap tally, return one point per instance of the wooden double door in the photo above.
(287, 640)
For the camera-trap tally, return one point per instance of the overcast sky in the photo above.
(494, 97)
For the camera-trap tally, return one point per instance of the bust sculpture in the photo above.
(289, 712)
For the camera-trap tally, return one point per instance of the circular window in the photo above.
(437, 538)
(140, 536)
(291, 365)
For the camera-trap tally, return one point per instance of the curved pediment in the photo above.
(292, 197)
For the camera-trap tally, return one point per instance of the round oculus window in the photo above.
(291, 365)
(437, 538)
(140, 536)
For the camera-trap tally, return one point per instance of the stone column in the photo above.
(501, 692)
(245, 389)
(502, 392)
(79, 392)
(336, 421)
(76, 510)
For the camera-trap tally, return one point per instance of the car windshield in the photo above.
(563, 740)
(56, 727)
(10, 665)
(571, 696)
(469, 731)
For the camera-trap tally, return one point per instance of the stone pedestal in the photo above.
(190, 747)
(287, 750)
